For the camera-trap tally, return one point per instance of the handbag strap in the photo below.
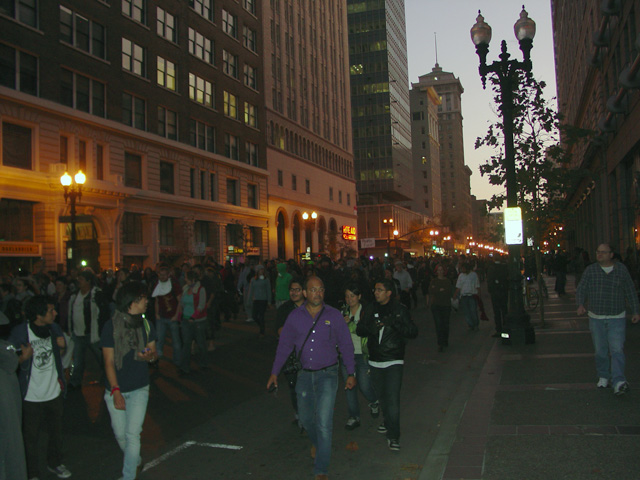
(309, 333)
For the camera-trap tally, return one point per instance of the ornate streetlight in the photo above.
(309, 223)
(388, 222)
(517, 328)
(73, 193)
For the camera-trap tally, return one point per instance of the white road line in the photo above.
(185, 445)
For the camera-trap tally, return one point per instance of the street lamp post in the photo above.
(388, 222)
(309, 223)
(517, 328)
(73, 193)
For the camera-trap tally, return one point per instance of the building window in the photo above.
(294, 182)
(250, 115)
(213, 187)
(348, 199)
(166, 73)
(249, 37)
(331, 194)
(166, 177)
(18, 70)
(250, 76)
(229, 24)
(16, 146)
(231, 146)
(339, 196)
(133, 57)
(203, 8)
(166, 26)
(131, 228)
(280, 178)
(165, 231)
(135, 9)
(132, 170)
(252, 153)
(25, 11)
(192, 183)
(203, 184)
(134, 111)
(167, 123)
(200, 90)
(250, 6)
(232, 191)
(200, 46)
(99, 167)
(82, 33)
(82, 93)
(307, 186)
(230, 64)
(230, 105)
(252, 196)
(202, 136)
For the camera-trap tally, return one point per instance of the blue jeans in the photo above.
(364, 384)
(316, 400)
(469, 309)
(387, 382)
(162, 324)
(191, 330)
(608, 340)
(80, 346)
(127, 427)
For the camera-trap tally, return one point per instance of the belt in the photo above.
(320, 369)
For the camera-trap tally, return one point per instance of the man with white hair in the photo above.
(406, 283)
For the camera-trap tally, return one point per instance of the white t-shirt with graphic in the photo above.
(43, 381)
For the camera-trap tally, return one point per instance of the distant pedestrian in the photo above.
(604, 292)
(193, 312)
(259, 292)
(498, 286)
(467, 287)
(439, 300)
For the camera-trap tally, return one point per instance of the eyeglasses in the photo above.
(317, 290)
(379, 289)
(295, 290)
(602, 252)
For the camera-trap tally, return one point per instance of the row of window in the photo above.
(307, 184)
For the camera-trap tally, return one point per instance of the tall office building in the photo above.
(597, 64)
(380, 101)
(426, 152)
(312, 194)
(159, 103)
(455, 176)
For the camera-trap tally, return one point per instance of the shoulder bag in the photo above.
(293, 365)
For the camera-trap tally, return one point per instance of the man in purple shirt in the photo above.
(317, 383)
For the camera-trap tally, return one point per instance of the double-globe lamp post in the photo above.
(73, 193)
(389, 222)
(517, 329)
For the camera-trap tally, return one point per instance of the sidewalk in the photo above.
(535, 412)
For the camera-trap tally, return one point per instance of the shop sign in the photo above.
(348, 232)
(20, 249)
(253, 251)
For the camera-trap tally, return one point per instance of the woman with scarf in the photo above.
(128, 345)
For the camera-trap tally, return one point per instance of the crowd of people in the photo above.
(124, 320)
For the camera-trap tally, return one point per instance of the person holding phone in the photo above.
(128, 344)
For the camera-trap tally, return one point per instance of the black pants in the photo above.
(441, 315)
(500, 307)
(38, 417)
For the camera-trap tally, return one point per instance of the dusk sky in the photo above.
(452, 21)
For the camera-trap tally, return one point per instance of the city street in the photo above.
(478, 410)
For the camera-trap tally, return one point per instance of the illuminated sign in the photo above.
(18, 249)
(348, 233)
(513, 226)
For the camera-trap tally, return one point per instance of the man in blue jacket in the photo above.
(42, 383)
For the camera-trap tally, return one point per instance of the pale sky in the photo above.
(452, 20)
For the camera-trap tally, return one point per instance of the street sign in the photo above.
(367, 243)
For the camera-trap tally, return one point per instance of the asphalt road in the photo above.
(221, 423)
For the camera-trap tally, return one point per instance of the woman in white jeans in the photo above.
(128, 344)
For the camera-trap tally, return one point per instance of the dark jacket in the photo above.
(398, 327)
(20, 336)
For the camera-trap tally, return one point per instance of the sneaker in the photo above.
(382, 428)
(393, 445)
(375, 409)
(352, 423)
(621, 388)
(249, 320)
(60, 471)
(603, 382)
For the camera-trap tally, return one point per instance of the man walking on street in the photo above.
(604, 288)
(316, 329)
(387, 325)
